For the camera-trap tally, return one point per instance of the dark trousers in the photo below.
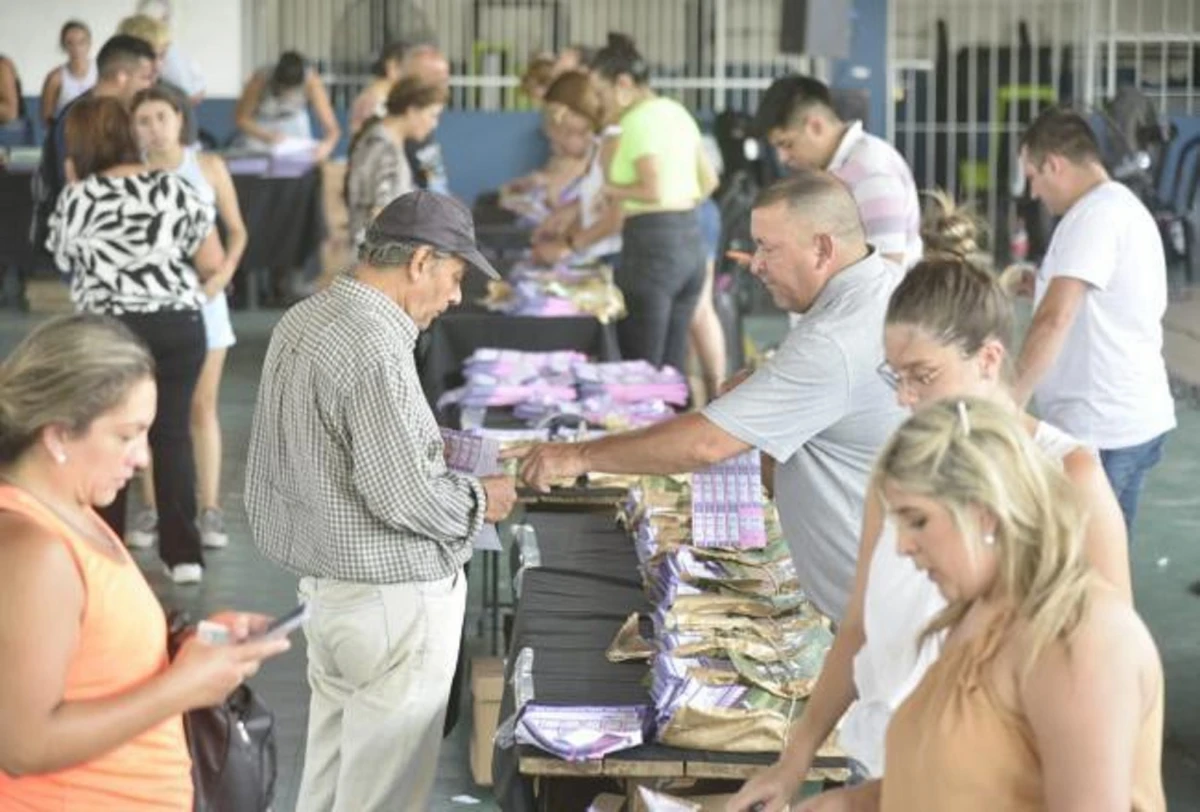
(176, 340)
(660, 275)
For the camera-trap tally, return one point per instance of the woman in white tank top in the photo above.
(71, 80)
(948, 329)
(158, 116)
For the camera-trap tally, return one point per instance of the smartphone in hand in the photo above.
(283, 625)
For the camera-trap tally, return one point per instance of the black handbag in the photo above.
(234, 760)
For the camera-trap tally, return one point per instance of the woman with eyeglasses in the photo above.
(947, 333)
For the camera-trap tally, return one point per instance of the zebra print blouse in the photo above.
(127, 242)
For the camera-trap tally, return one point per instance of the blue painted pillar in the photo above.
(866, 67)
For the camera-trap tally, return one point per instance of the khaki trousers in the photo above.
(380, 662)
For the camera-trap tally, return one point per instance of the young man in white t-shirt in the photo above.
(1092, 359)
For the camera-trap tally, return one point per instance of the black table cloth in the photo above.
(285, 222)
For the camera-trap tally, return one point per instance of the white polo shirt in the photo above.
(1109, 385)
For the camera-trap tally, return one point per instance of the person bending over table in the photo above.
(377, 170)
(1048, 693)
(90, 704)
(818, 406)
(347, 487)
(158, 119)
(659, 174)
(588, 228)
(273, 109)
(948, 333)
(555, 185)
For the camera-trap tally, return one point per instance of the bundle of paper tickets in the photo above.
(735, 647)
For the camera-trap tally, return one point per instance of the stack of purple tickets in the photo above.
(582, 733)
(617, 395)
(598, 411)
(727, 504)
(471, 453)
(509, 377)
(632, 382)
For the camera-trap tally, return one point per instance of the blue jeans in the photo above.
(709, 215)
(1126, 470)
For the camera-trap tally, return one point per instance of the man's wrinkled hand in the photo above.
(545, 464)
(501, 496)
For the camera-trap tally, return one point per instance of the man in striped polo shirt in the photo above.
(798, 118)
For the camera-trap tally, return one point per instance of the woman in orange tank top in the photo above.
(1049, 691)
(90, 704)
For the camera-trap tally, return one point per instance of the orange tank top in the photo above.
(122, 644)
(954, 744)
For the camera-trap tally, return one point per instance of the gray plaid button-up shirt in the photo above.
(346, 478)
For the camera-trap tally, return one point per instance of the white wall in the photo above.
(209, 31)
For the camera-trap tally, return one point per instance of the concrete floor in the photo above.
(1166, 559)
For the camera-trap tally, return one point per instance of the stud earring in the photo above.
(989, 539)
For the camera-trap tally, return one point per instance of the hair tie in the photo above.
(964, 419)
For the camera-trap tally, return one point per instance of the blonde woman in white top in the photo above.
(947, 333)
(75, 77)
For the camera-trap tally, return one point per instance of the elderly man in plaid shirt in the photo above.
(346, 486)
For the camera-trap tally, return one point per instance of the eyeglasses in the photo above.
(901, 380)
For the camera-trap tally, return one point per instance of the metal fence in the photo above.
(710, 54)
(964, 76)
(968, 75)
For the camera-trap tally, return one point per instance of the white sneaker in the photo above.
(142, 533)
(186, 573)
(212, 529)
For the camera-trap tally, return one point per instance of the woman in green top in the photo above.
(659, 174)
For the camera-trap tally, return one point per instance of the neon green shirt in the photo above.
(663, 128)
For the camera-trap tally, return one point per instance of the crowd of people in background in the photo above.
(974, 559)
